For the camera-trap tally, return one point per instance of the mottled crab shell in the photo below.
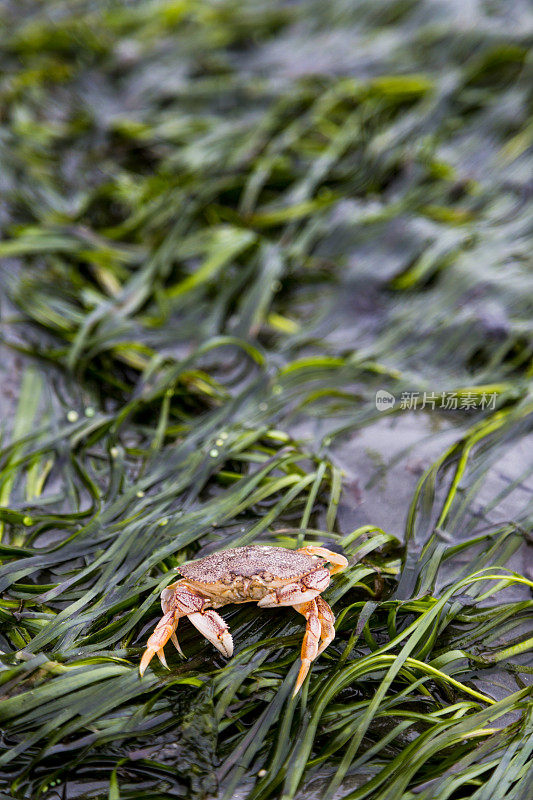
(270, 562)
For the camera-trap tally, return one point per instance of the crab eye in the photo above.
(267, 576)
(227, 578)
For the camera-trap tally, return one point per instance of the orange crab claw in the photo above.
(337, 561)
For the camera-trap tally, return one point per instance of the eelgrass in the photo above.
(211, 269)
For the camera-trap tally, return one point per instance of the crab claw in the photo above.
(337, 561)
(215, 629)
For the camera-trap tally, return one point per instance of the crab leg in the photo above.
(338, 562)
(166, 604)
(162, 633)
(178, 600)
(311, 640)
(320, 619)
(327, 629)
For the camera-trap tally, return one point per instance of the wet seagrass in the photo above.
(226, 229)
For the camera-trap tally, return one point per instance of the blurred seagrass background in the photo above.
(224, 227)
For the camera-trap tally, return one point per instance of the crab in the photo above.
(269, 576)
